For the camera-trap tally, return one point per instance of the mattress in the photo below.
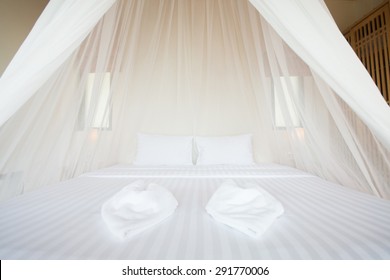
(322, 220)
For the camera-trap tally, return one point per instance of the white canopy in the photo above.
(92, 74)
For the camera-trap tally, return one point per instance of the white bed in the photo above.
(321, 221)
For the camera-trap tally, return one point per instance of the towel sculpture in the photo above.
(251, 210)
(137, 207)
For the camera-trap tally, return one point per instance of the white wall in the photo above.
(17, 17)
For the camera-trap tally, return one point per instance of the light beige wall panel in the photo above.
(342, 11)
(348, 12)
(17, 17)
(363, 7)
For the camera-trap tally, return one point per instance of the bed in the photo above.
(322, 220)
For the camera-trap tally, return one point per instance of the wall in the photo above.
(347, 12)
(17, 17)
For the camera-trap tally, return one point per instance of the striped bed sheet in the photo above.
(216, 171)
(322, 220)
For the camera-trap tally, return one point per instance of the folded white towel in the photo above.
(137, 207)
(251, 210)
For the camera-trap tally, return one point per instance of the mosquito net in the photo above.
(92, 74)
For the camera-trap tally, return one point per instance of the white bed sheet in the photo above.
(215, 171)
(321, 220)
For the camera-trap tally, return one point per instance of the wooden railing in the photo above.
(370, 39)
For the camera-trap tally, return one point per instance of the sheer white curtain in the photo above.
(307, 27)
(57, 33)
(194, 67)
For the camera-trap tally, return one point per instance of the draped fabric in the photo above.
(330, 56)
(82, 85)
(57, 33)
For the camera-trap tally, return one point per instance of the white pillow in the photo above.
(163, 150)
(224, 150)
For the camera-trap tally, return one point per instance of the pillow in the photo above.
(225, 150)
(163, 150)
